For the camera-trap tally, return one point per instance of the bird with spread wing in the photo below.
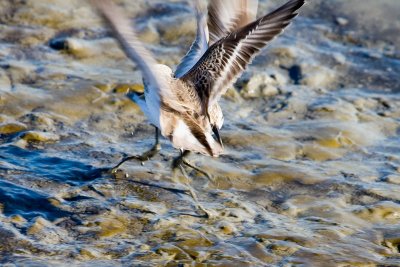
(183, 105)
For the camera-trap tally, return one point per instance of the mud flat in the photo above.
(311, 174)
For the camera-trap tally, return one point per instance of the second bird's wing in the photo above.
(227, 58)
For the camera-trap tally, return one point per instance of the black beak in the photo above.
(216, 135)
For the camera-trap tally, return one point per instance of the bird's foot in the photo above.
(178, 164)
(142, 158)
(181, 161)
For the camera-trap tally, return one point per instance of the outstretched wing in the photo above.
(160, 92)
(200, 44)
(226, 16)
(127, 39)
(228, 57)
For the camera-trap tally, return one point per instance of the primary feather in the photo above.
(200, 44)
(229, 56)
(225, 16)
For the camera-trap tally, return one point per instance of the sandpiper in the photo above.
(183, 105)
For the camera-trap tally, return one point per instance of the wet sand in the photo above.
(311, 173)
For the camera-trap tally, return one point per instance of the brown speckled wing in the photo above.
(228, 57)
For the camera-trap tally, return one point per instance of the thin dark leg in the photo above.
(146, 155)
(178, 161)
(207, 213)
(182, 161)
(178, 164)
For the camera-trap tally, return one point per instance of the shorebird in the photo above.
(183, 105)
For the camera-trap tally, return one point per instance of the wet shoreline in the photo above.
(311, 172)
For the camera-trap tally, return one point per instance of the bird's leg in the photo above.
(178, 164)
(146, 155)
(182, 161)
(193, 193)
(178, 161)
(154, 150)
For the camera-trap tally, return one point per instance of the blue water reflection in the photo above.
(22, 164)
(41, 165)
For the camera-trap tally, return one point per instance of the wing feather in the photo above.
(157, 84)
(228, 57)
(225, 16)
(127, 39)
(200, 44)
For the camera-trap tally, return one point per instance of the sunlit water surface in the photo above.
(311, 172)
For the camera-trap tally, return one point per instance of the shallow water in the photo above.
(311, 173)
